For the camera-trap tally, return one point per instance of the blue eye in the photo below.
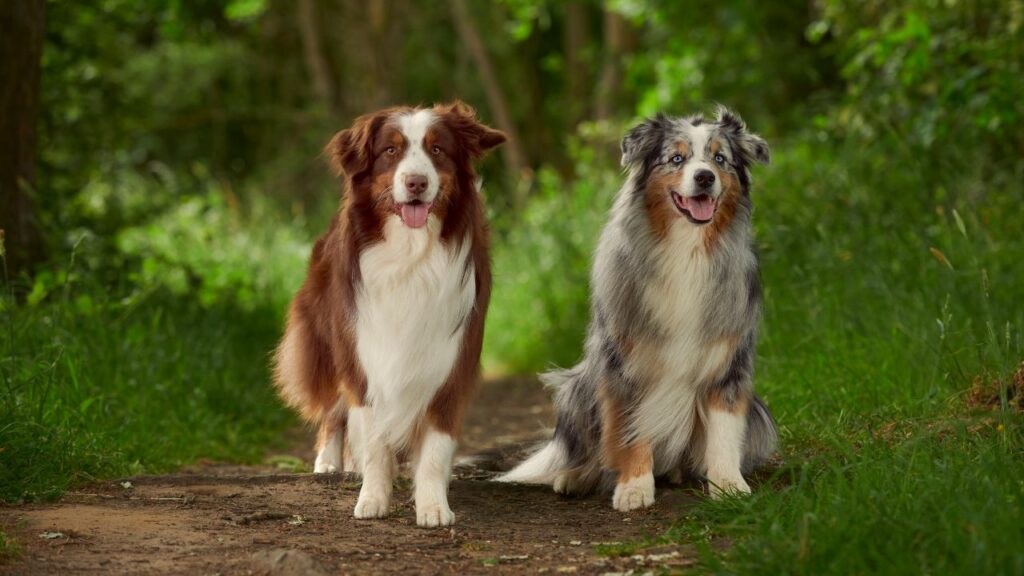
(719, 158)
(677, 159)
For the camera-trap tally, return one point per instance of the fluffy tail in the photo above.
(762, 436)
(540, 468)
(551, 458)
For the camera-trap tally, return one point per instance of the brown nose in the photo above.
(416, 184)
(704, 178)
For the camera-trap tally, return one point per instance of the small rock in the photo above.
(51, 535)
(126, 485)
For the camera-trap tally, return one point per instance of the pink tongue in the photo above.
(415, 215)
(701, 207)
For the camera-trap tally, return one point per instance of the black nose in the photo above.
(704, 178)
(416, 184)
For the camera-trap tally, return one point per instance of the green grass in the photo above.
(149, 356)
(108, 389)
(9, 549)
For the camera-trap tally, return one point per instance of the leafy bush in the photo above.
(542, 257)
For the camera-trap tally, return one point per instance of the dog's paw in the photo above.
(435, 514)
(566, 483)
(324, 468)
(327, 462)
(720, 484)
(371, 506)
(634, 493)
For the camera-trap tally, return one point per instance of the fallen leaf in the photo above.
(51, 535)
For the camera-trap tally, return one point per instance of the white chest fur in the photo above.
(682, 358)
(411, 306)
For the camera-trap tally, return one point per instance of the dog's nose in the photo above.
(416, 184)
(704, 178)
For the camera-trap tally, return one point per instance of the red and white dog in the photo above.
(382, 344)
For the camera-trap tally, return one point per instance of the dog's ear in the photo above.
(350, 151)
(643, 139)
(476, 138)
(751, 147)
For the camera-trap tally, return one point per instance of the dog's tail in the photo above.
(551, 458)
(762, 435)
(540, 468)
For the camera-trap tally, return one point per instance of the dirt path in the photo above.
(218, 519)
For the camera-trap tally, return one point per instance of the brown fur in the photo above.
(658, 200)
(317, 369)
(630, 459)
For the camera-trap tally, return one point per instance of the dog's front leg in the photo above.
(378, 462)
(726, 428)
(632, 459)
(433, 472)
(330, 441)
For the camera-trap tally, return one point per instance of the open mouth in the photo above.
(698, 209)
(414, 213)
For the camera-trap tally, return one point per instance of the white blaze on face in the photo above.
(699, 138)
(416, 160)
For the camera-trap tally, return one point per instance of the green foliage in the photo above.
(539, 307)
(930, 72)
(165, 364)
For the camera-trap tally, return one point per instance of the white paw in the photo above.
(434, 514)
(719, 484)
(327, 461)
(372, 506)
(634, 493)
(324, 468)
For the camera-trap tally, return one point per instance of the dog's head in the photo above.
(692, 169)
(413, 162)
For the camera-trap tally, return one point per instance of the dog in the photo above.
(381, 348)
(665, 386)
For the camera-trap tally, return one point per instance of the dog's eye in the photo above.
(391, 151)
(719, 158)
(677, 159)
(436, 150)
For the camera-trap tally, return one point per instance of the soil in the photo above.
(227, 519)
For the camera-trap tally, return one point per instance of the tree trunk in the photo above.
(512, 152)
(577, 38)
(312, 47)
(21, 49)
(610, 83)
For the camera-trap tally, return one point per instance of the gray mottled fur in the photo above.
(625, 264)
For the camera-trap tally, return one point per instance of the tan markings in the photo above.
(683, 147)
(629, 459)
(658, 201)
(716, 147)
(728, 203)
(352, 397)
(717, 400)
